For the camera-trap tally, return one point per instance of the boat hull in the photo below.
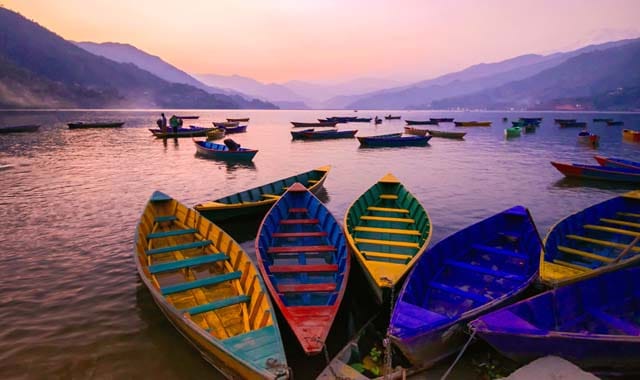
(182, 132)
(598, 172)
(19, 128)
(617, 162)
(95, 125)
(400, 141)
(421, 122)
(446, 134)
(221, 152)
(328, 135)
(297, 124)
(415, 131)
(472, 123)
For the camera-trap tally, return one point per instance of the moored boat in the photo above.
(614, 122)
(239, 120)
(192, 131)
(617, 162)
(209, 289)
(421, 122)
(393, 140)
(574, 124)
(631, 135)
(387, 230)
(330, 124)
(188, 117)
(530, 128)
(472, 123)
(257, 201)
(475, 270)
(392, 117)
(601, 120)
(597, 239)
(586, 137)
(342, 119)
(300, 134)
(415, 131)
(446, 134)
(108, 124)
(512, 132)
(592, 323)
(19, 128)
(236, 129)
(225, 124)
(598, 172)
(442, 119)
(360, 120)
(329, 134)
(222, 152)
(531, 120)
(304, 261)
(215, 133)
(562, 121)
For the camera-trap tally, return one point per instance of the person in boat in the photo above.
(174, 122)
(162, 123)
(231, 145)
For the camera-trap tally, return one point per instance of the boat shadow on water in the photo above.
(577, 183)
(231, 166)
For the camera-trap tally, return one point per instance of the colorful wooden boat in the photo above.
(477, 269)
(329, 134)
(614, 122)
(593, 323)
(387, 230)
(446, 134)
(19, 128)
(83, 125)
(531, 120)
(631, 135)
(512, 132)
(617, 162)
(415, 131)
(257, 201)
(188, 117)
(296, 135)
(393, 140)
(472, 123)
(392, 117)
(225, 124)
(182, 132)
(529, 128)
(239, 120)
(236, 129)
(302, 255)
(209, 289)
(421, 122)
(575, 124)
(215, 133)
(342, 119)
(297, 124)
(586, 137)
(600, 238)
(598, 172)
(377, 120)
(222, 152)
(442, 119)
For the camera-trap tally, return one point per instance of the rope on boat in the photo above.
(387, 340)
(464, 348)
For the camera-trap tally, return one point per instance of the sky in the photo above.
(336, 40)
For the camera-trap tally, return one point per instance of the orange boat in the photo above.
(473, 123)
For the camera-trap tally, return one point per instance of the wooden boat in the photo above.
(192, 131)
(530, 128)
(189, 117)
(631, 135)
(360, 120)
(598, 172)
(614, 122)
(446, 134)
(617, 162)
(83, 125)
(329, 134)
(393, 141)
(575, 124)
(296, 135)
(600, 120)
(387, 230)
(563, 121)
(341, 119)
(215, 133)
(512, 132)
(225, 124)
(531, 120)
(592, 323)
(477, 269)
(236, 129)
(331, 124)
(362, 358)
(377, 120)
(209, 289)
(586, 137)
(222, 152)
(415, 131)
(421, 122)
(303, 258)
(239, 120)
(472, 123)
(392, 117)
(600, 238)
(442, 119)
(257, 201)
(19, 128)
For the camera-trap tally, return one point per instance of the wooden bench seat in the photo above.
(217, 304)
(299, 234)
(308, 268)
(459, 292)
(484, 270)
(179, 247)
(388, 209)
(297, 209)
(187, 263)
(213, 280)
(588, 255)
(299, 221)
(163, 234)
(164, 218)
(391, 243)
(304, 288)
(396, 231)
(387, 219)
(302, 248)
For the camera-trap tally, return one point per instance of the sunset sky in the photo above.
(332, 40)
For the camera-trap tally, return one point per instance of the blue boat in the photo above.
(303, 258)
(393, 140)
(329, 134)
(222, 152)
(604, 173)
(595, 324)
(617, 162)
(296, 135)
(236, 129)
(465, 275)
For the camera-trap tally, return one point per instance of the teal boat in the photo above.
(512, 132)
(258, 200)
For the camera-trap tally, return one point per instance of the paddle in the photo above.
(627, 249)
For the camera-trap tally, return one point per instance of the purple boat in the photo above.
(467, 274)
(593, 323)
(237, 129)
(222, 152)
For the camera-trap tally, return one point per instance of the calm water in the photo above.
(71, 304)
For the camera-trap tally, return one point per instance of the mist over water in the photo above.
(71, 303)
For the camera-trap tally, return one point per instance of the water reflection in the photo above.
(574, 183)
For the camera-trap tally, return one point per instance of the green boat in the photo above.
(512, 132)
(258, 200)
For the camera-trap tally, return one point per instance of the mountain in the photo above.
(268, 91)
(470, 80)
(28, 50)
(319, 93)
(598, 79)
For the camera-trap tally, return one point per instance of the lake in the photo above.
(71, 303)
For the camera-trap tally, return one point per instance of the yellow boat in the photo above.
(598, 239)
(387, 230)
(209, 289)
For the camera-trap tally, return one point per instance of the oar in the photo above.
(627, 249)
(535, 228)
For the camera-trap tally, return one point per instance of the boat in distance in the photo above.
(512, 132)
(387, 230)
(442, 119)
(298, 124)
(222, 152)
(188, 117)
(575, 124)
(472, 123)
(19, 128)
(258, 200)
(225, 124)
(614, 122)
(239, 120)
(393, 117)
(393, 140)
(617, 162)
(467, 274)
(415, 131)
(303, 258)
(446, 134)
(329, 134)
(235, 129)
(83, 125)
(604, 173)
(592, 323)
(192, 131)
(209, 289)
(561, 121)
(596, 239)
(421, 122)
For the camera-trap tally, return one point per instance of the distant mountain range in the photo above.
(41, 69)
